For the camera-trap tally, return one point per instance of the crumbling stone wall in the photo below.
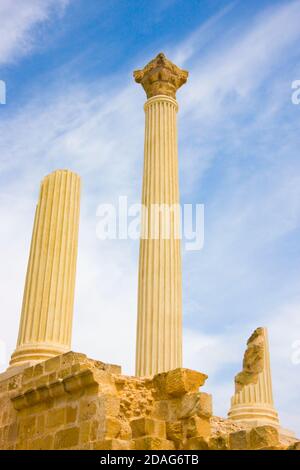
(72, 402)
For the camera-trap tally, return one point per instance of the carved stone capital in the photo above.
(160, 77)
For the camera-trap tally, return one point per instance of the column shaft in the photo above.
(47, 310)
(253, 401)
(159, 326)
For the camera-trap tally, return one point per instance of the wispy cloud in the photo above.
(19, 25)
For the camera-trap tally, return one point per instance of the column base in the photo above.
(32, 353)
(254, 414)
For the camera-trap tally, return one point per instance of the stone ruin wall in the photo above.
(72, 402)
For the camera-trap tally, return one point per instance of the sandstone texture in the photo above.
(73, 402)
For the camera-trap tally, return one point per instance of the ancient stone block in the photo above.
(42, 381)
(239, 440)
(42, 443)
(72, 383)
(27, 426)
(112, 444)
(263, 436)
(195, 443)
(63, 373)
(56, 389)
(177, 382)
(55, 418)
(148, 427)
(87, 409)
(109, 405)
(12, 431)
(70, 358)
(125, 430)
(53, 364)
(112, 427)
(27, 374)
(197, 426)
(174, 431)
(40, 424)
(84, 434)
(66, 438)
(19, 402)
(71, 414)
(199, 404)
(218, 443)
(153, 443)
(38, 370)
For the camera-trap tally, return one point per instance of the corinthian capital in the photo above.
(161, 77)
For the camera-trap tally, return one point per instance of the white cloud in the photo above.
(18, 20)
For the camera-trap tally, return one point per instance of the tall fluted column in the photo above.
(253, 398)
(159, 320)
(47, 311)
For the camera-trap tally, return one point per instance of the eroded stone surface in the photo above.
(73, 402)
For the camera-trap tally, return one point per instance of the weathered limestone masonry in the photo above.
(72, 402)
(253, 398)
(47, 311)
(159, 329)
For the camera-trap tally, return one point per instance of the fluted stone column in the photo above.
(159, 320)
(47, 311)
(253, 398)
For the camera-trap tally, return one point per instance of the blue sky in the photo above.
(72, 103)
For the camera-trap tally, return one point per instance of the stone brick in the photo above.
(28, 426)
(40, 424)
(42, 381)
(199, 404)
(32, 397)
(197, 426)
(177, 382)
(174, 430)
(112, 444)
(218, 443)
(112, 427)
(125, 431)
(55, 418)
(53, 364)
(70, 358)
(72, 383)
(42, 443)
(84, 435)
(239, 440)
(195, 443)
(56, 389)
(27, 374)
(66, 438)
(38, 370)
(13, 431)
(22, 444)
(161, 410)
(113, 369)
(71, 414)
(87, 410)
(148, 427)
(263, 436)
(14, 383)
(19, 402)
(109, 405)
(94, 429)
(153, 443)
